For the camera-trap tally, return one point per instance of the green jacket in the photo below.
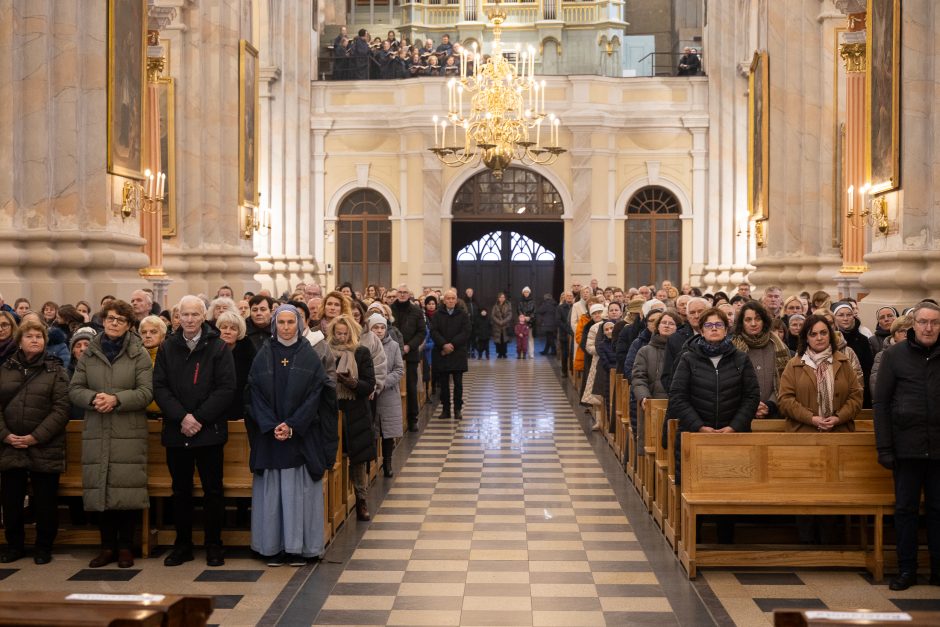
(39, 408)
(114, 445)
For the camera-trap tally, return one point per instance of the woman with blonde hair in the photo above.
(152, 330)
(355, 383)
(334, 304)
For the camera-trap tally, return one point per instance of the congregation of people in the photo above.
(723, 361)
(288, 367)
(362, 57)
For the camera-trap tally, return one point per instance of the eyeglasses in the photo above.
(116, 319)
(5, 325)
(714, 326)
(927, 323)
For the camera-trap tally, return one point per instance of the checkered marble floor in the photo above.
(502, 518)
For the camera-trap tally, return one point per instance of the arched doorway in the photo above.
(364, 239)
(507, 235)
(653, 238)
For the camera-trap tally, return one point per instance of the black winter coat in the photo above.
(907, 401)
(243, 354)
(450, 328)
(256, 335)
(311, 413)
(862, 347)
(625, 339)
(358, 431)
(562, 316)
(201, 383)
(703, 395)
(39, 408)
(526, 307)
(545, 315)
(482, 327)
(675, 346)
(410, 321)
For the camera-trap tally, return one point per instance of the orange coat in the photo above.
(797, 397)
(578, 353)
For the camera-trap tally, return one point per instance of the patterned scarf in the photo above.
(345, 355)
(745, 342)
(822, 363)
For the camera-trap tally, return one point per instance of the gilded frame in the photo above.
(247, 124)
(127, 80)
(166, 99)
(758, 137)
(883, 95)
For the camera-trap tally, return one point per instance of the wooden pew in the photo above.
(653, 418)
(61, 608)
(671, 528)
(630, 453)
(783, 473)
(778, 425)
(620, 430)
(660, 501)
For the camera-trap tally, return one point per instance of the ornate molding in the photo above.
(854, 57)
(160, 17)
(850, 6)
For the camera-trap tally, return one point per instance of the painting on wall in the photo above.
(166, 101)
(758, 128)
(127, 51)
(248, 125)
(883, 90)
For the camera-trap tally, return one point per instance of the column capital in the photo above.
(853, 54)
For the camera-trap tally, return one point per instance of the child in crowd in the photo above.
(522, 338)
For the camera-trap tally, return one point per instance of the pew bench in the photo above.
(783, 473)
(60, 608)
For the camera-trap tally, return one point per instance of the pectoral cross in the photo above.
(285, 362)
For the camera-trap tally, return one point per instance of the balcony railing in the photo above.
(452, 12)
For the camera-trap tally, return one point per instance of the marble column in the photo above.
(799, 253)
(853, 165)
(62, 237)
(208, 250)
(288, 162)
(902, 265)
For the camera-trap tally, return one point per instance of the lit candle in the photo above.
(557, 122)
(543, 96)
(443, 132)
(460, 100)
(466, 137)
(851, 192)
(434, 124)
(538, 133)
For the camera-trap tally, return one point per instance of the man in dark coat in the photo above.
(409, 319)
(676, 342)
(473, 310)
(360, 55)
(450, 330)
(193, 383)
(258, 324)
(907, 434)
(545, 315)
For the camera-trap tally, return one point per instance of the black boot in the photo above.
(388, 446)
(413, 425)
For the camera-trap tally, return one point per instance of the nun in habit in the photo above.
(292, 430)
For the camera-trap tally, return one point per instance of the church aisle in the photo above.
(507, 518)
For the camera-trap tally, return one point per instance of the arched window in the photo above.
(521, 192)
(364, 240)
(653, 238)
(490, 248)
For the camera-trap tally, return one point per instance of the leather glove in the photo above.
(886, 460)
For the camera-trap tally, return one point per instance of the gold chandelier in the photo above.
(506, 111)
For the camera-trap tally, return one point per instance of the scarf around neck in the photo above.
(822, 363)
(745, 343)
(345, 355)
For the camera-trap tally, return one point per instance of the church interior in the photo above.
(184, 145)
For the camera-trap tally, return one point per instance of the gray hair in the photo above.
(155, 321)
(224, 301)
(230, 317)
(698, 299)
(923, 305)
(190, 299)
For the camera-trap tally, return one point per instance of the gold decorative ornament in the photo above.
(874, 211)
(505, 113)
(854, 56)
(130, 199)
(255, 220)
(759, 234)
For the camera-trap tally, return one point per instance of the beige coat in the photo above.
(797, 397)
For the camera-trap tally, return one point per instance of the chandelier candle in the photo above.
(497, 122)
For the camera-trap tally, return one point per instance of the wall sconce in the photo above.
(850, 211)
(759, 234)
(881, 215)
(255, 220)
(875, 210)
(131, 197)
